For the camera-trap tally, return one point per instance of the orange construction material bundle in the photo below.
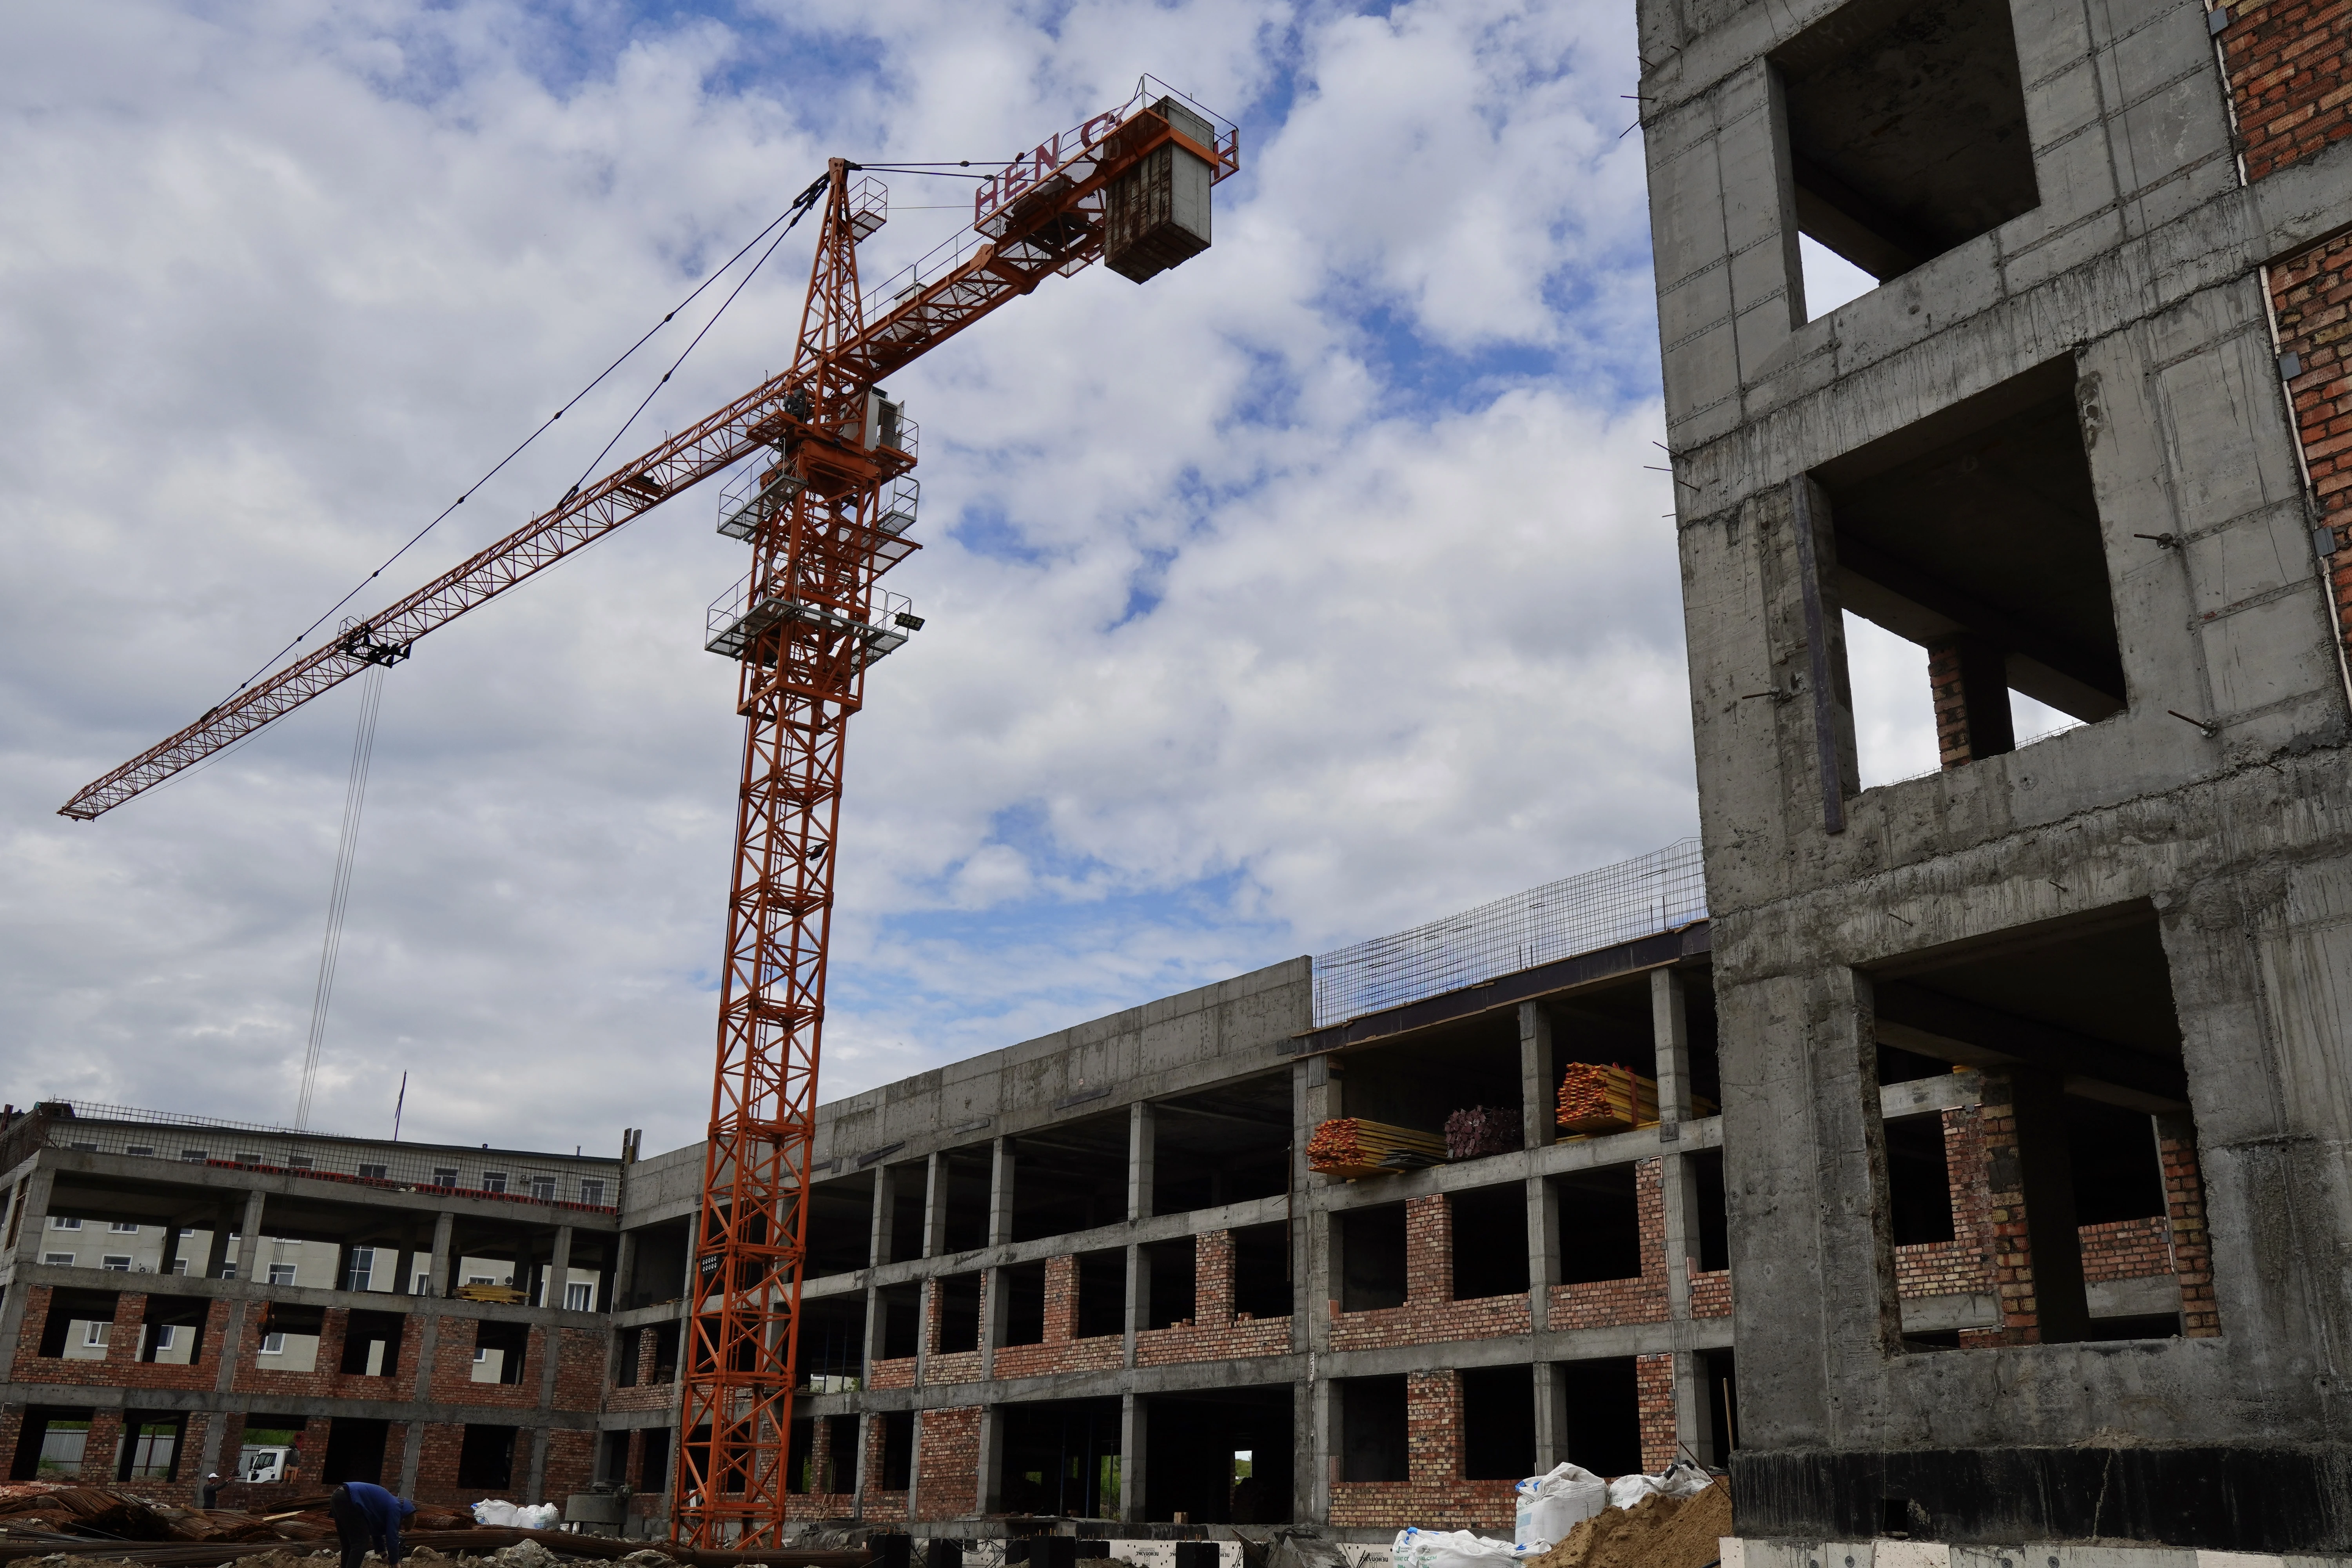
(1597, 1098)
(1350, 1146)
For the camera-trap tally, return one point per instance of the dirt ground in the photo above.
(1658, 1532)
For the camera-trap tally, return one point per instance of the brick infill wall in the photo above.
(947, 1463)
(1434, 1495)
(2192, 1256)
(1430, 1315)
(1710, 1293)
(2287, 61)
(2312, 297)
(1654, 1394)
(1640, 1298)
(1962, 1265)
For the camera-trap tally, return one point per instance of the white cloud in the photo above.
(1315, 589)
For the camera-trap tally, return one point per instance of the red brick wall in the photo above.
(1639, 1300)
(1430, 1315)
(1710, 1292)
(1654, 1385)
(2287, 77)
(1434, 1495)
(2192, 1258)
(1213, 1333)
(947, 1463)
(1061, 1350)
(2312, 295)
(2126, 1249)
(571, 1463)
(898, 1373)
(1962, 1265)
(835, 1502)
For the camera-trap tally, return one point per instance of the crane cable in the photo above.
(339, 894)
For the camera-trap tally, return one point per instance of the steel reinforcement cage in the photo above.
(1636, 897)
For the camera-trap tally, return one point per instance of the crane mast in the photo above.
(825, 507)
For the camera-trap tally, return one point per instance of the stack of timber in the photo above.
(501, 1295)
(1481, 1130)
(1352, 1147)
(1597, 1098)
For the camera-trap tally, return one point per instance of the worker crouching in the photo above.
(367, 1516)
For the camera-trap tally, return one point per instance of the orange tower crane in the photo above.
(826, 508)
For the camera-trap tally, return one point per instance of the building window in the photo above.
(480, 1355)
(422, 1285)
(577, 1295)
(372, 1173)
(249, 1157)
(117, 1262)
(96, 1335)
(273, 1344)
(195, 1156)
(592, 1193)
(146, 1149)
(543, 1188)
(281, 1274)
(124, 1227)
(444, 1177)
(297, 1162)
(479, 1279)
(228, 1269)
(362, 1270)
(179, 1265)
(64, 1222)
(164, 1336)
(83, 1148)
(494, 1180)
(57, 1260)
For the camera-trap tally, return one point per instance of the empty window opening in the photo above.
(1601, 1413)
(957, 1302)
(613, 1458)
(897, 1450)
(1070, 1178)
(626, 1370)
(902, 1320)
(658, 1267)
(1373, 1429)
(290, 1336)
(354, 1450)
(905, 1234)
(1703, 1171)
(175, 1330)
(653, 1461)
(1061, 1457)
(1228, 1145)
(371, 1345)
(964, 1212)
(800, 1457)
(1102, 1293)
(1831, 279)
(499, 1352)
(1372, 1262)
(486, 1457)
(1498, 1422)
(1171, 1276)
(837, 1472)
(1424, 1078)
(1023, 1285)
(832, 1340)
(1907, 133)
(1262, 1270)
(50, 1444)
(1490, 1241)
(1225, 1455)
(840, 1225)
(1599, 1225)
(1919, 1181)
(1973, 537)
(2072, 1026)
(1722, 1394)
(667, 1338)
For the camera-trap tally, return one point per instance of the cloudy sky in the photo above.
(1314, 590)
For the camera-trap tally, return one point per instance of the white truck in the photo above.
(264, 1462)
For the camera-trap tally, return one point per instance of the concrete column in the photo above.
(866, 1421)
(217, 1256)
(444, 1227)
(1139, 1303)
(993, 1294)
(935, 1205)
(625, 1269)
(1000, 1192)
(559, 1269)
(886, 1193)
(915, 1471)
(1678, 1192)
(1670, 1031)
(538, 1462)
(1543, 1251)
(1141, 1141)
(248, 1238)
(989, 1484)
(1538, 1089)
(171, 1253)
(1315, 1099)
(1694, 1418)
(2038, 1253)
(1133, 1440)
(33, 1219)
(1551, 1417)
(1319, 1459)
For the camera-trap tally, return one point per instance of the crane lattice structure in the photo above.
(826, 508)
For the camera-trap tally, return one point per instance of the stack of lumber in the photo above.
(1350, 1146)
(1597, 1098)
(503, 1295)
(1481, 1130)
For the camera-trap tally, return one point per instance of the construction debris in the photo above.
(1351, 1146)
(1483, 1130)
(1660, 1532)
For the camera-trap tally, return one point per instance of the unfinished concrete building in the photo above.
(2079, 443)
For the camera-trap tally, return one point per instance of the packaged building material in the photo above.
(1481, 1130)
(1598, 1098)
(1551, 1505)
(1350, 1146)
(1680, 1480)
(1458, 1549)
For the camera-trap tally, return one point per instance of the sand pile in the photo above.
(1657, 1533)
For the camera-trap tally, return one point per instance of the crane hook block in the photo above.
(1156, 213)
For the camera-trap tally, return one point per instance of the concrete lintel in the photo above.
(1102, 1238)
(109, 1397)
(159, 1191)
(1181, 1378)
(1498, 1170)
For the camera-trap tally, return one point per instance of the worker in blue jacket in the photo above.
(367, 1516)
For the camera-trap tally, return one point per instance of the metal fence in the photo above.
(1636, 897)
